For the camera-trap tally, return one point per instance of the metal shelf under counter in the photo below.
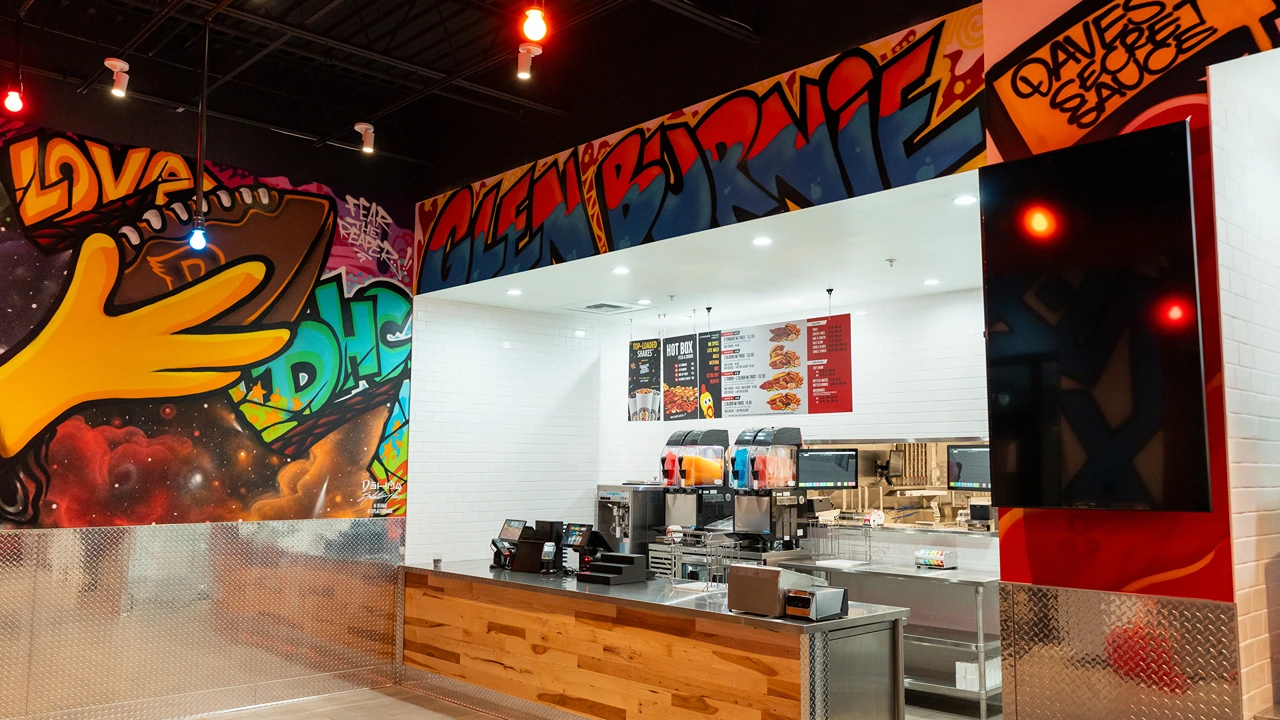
(937, 684)
(937, 645)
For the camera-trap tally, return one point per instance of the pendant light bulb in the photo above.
(535, 24)
(198, 241)
(119, 76)
(524, 65)
(13, 101)
(366, 136)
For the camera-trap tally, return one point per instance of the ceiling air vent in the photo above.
(603, 307)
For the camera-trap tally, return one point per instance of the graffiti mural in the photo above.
(1105, 67)
(265, 376)
(893, 112)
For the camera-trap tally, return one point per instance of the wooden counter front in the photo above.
(599, 659)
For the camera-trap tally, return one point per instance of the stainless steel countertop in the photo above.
(956, 576)
(659, 596)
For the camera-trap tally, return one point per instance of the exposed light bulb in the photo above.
(535, 24)
(197, 240)
(13, 101)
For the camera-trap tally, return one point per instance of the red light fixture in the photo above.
(1040, 223)
(534, 29)
(1174, 313)
(13, 97)
(535, 25)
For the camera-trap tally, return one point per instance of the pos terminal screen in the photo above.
(827, 468)
(576, 535)
(969, 467)
(511, 530)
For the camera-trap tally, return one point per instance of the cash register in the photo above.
(504, 546)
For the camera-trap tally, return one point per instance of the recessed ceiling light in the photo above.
(762, 241)
(965, 200)
(861, 313)
(645, 301)
(513, 291)
(932, 281)
(793, 301)
(686, 317)
(620, 271)
(580, 333)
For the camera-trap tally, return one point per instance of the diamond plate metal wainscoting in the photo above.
(1082, 655)
(178, 620)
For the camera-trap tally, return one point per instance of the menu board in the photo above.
(644, 380)
(830, 365)
(802, 367)
(709, 375)
(680, 378)
(793, 368)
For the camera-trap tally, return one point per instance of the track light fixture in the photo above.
(366, 136)
(119, 75)
(524, 65)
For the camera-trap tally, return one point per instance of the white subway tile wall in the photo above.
(1246, 160)
(521, 415)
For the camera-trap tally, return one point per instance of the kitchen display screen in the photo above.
(576, 535)
(511, 530)
(1095, 382)
(969, 468)
(827, 469)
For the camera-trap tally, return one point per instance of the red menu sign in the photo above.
(830, 365)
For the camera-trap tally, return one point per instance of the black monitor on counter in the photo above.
(576, 535)
(511, 530)
(827, 469)
(1095, 377)
(969, 468)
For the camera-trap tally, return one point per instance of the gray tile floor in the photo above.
(387, 703)
(395, 703)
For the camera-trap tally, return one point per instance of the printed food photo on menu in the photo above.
(679, 400)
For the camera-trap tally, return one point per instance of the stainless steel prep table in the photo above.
(984, 585)
(866, 645)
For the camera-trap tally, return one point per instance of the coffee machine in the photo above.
(766, 499)
(627, 515)
(693, 474)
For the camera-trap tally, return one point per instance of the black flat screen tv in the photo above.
(1094, 372)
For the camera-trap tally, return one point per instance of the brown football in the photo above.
(288, 231)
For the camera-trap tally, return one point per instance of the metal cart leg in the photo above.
(900, 648)
(982, 662)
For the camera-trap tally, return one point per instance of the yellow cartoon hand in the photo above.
(84, 354)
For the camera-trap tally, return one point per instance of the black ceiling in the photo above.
(312, 68)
